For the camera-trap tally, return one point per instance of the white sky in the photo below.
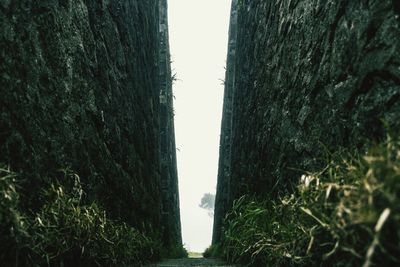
(198, 31)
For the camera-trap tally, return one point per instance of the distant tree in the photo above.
(208, 202)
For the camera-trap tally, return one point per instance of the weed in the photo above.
(177, 252)
(348, 214)
(213, 251)
(66, 232)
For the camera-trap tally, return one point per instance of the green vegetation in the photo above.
(195, 254)
(65, 232)
(176, 252)
(348, 214)
(213, 251)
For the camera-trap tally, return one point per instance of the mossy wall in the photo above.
(81, 85)
(304, 77)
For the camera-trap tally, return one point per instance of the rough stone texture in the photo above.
(309, 76)
(81, 85)
(224, 167)
(169, 183)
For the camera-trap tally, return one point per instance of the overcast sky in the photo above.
(198, 40)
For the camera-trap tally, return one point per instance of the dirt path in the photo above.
(193, 262)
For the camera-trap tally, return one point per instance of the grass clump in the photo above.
(348, 214)
(13, 226)
(213, 251)
(177, 252)
(66, 232)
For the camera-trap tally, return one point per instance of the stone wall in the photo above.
(82, 85)
(224, 167)
(169, 183)
(309, 76)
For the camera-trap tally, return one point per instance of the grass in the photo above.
(176, 252)
(213, 251)
(195, 254)
(347, 214)
(66, 232)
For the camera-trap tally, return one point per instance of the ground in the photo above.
(194, 262)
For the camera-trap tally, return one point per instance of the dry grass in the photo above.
(348, 214)
(66, 232)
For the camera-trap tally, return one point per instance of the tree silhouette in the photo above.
(207, 202)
